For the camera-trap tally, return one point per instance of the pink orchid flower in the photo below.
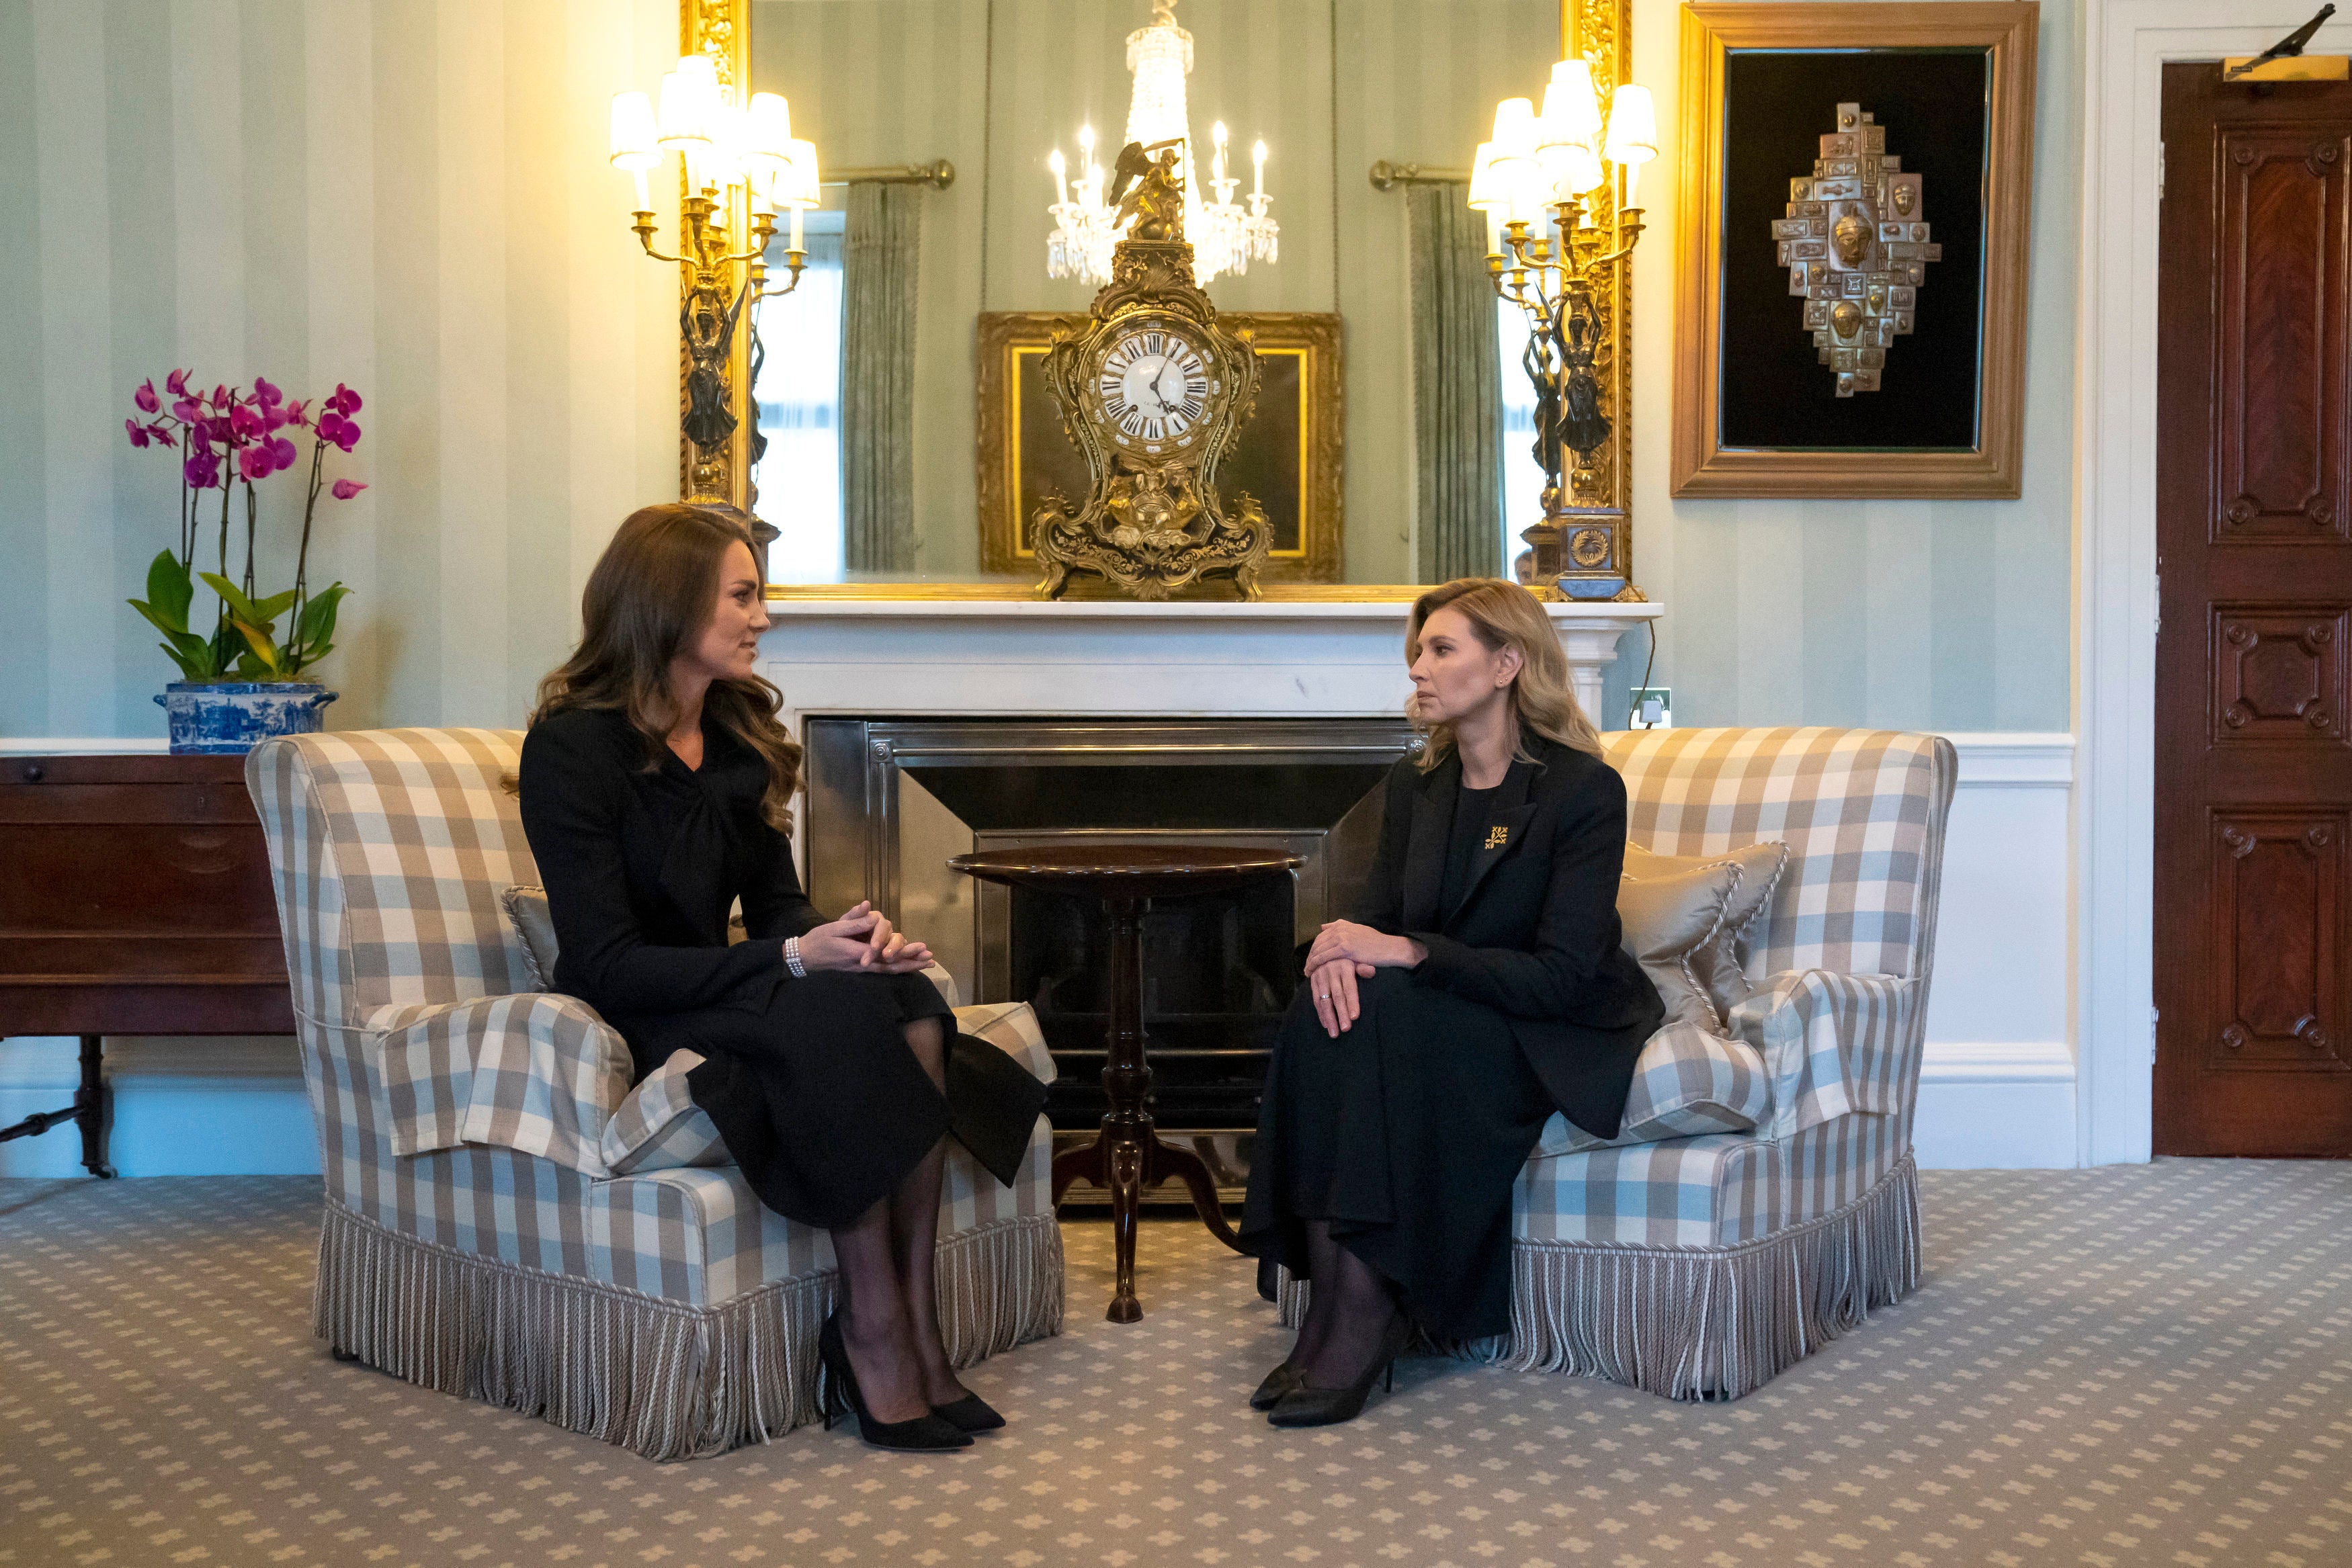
(139, 435)
(176, 384)
(346, 489)
(145, 397)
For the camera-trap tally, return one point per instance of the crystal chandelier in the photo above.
(1227, 235)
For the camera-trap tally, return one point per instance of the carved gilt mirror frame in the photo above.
(1600, 29)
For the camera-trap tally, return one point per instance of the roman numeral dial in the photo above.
(1154, 386)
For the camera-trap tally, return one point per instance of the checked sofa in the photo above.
(1761, 1196)
(507, 1218)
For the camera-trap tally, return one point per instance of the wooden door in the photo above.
(2253, 664)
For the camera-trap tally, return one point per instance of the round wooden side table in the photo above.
(1120, 879)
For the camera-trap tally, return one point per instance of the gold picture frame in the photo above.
(1711, 455)
(1288, 455)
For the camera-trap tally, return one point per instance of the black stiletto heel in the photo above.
(837, 1394)
(1306, 1405)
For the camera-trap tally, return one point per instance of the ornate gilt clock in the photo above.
(1151, 390)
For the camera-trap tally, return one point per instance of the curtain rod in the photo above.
(1386, 176)
(938, 175)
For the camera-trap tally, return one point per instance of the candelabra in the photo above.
(1557, 231)
(742, 162)
(1227, 235)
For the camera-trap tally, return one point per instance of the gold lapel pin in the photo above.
(1497, 837)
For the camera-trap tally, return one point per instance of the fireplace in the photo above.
(889, 800)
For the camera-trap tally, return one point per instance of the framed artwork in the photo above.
(1288, 455)
(1856, 189)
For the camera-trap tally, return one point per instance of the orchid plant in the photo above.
(229, 440)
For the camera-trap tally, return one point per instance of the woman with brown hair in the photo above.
(657, 790)
(1480, 987)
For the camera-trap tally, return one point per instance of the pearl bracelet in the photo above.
(793, 958)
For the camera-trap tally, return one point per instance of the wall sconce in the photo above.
(742, 162)
(1557, 225)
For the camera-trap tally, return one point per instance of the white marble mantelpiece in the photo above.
(1190, 659)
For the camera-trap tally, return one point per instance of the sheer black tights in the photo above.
(1347, 1313)
(889, 1290)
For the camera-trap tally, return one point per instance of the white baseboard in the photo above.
(228, 1106)
(1996, 1105)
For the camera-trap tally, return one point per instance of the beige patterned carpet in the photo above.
(2124, 1366)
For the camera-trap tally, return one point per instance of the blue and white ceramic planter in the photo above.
(228, 718)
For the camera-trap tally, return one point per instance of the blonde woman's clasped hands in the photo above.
(1345, 953)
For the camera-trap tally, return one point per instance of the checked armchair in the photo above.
(1760, 1198)
(507, 1218)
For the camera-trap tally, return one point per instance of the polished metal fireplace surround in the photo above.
(890, 799)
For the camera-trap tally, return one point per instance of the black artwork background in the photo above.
(1777, 107)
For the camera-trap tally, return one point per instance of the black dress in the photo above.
(1407, 1131)
(810, 1081)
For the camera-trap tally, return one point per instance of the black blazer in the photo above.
(1536, 936)
(642, 865)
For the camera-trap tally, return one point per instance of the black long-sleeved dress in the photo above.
(810, 1081)
(1407, 1131)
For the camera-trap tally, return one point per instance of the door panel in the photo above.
(2281, 349)
(2254, 808)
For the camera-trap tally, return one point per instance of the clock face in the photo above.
(1154, 387)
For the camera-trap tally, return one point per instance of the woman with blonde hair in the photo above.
(656, 790)
(1480, 985)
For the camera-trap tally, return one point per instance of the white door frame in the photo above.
(2127, 43)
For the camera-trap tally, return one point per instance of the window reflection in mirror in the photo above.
(798, 472)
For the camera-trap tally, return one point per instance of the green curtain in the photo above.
(881, 254)
(1458, 400)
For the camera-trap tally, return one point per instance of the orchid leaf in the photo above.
(240, 608)
(259, 639)
(318, 625)
(193, 653)
(268, 610)
(168, 590)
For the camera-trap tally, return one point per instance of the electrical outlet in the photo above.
(1653, 708)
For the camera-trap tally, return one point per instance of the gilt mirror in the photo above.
(882, 427)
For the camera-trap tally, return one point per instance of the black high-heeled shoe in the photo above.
(970, 1413)
(1282, 1380)
(837, 1394)
(1306, 1405)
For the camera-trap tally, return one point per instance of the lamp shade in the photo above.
(728, 163)
(1514, 128)
(1633, 125)
(636, 145)
(799, 188)
(1571, 110)
(689, 103)
(1488, 192)
(767, 129)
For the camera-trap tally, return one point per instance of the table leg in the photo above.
(1127, 1138)
(88, 1112)
(1170, 1161)
(1078, 1164)
(90, 1109)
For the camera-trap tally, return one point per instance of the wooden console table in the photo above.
(1128, 1156)
(134, 899)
